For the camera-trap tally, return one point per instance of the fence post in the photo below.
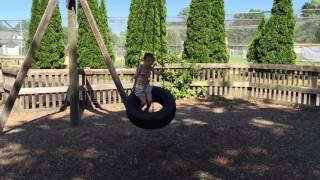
(250, 78)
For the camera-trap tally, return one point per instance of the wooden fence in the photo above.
(287, 84)
(16, 60)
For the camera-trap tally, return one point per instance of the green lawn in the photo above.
(240, 60)
(119, 62)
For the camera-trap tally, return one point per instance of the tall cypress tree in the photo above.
(104, 28)
(34, 22)
(51, 52)
(196, 44)
(146, 30)
(135, 36)
(277, 42)
(255, 46)
(155, 31)
(89, 54)
(217, 33)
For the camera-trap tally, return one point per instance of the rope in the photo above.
(142, 41)
(161, 45)
(153, 38)
(153, 42)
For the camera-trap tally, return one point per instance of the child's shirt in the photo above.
(143, 75)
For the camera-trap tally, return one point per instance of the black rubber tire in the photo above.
(152, 120)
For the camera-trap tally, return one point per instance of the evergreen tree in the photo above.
(255, 46)
(146, 30)
(206, 32)
(34, 22)
(89, 54)
(51, 52)
(277, 42)
(104, 28)
(217, 33)
(196, 44)
(135, 36)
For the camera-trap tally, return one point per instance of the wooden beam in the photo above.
(104, 50)
(44, 23)
(73, 67)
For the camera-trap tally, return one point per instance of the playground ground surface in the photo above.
(224, 139)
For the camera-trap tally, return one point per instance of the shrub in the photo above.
(51, 54)
(179, 83)
(255, 46)
(206, 32)
(277, 42)
(89, 54)
(146, 30)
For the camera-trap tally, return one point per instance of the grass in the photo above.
(299, 61)
(120, 63)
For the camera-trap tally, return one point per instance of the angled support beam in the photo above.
(73, 67)
(44, 23)
(104, 50)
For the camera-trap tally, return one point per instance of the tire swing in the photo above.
(152, 120)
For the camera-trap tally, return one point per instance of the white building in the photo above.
(11, 43)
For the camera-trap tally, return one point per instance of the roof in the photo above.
(7, 37)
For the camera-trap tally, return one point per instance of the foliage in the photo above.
(146, 30)
(176, 36)
(241, 31)
(104, 29)
(184, 13)
(52, 48)
(308, 31)
(217, 33)
(134, 37)
(118, 40)
(89, 54)
(170, 58)
(34, 22)
(179, 83)
(255, 46)
(313, 4)
(277, 42)
(195, 46)
(206, 32)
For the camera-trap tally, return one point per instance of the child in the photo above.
(142, 75)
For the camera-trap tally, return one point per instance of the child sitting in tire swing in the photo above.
(143, 90)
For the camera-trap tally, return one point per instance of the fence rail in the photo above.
(289, 84)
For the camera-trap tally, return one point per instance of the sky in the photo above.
(20, 9)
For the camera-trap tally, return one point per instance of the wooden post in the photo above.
(104, 50)
(44, 23)
(73, 69)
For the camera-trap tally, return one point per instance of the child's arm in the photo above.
(137, 72)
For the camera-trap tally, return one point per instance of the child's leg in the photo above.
(143, 100)
(149, 100)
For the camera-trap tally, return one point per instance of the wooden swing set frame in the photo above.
(73, 71)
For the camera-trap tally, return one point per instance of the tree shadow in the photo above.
(210, 140)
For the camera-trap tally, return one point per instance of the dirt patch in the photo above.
(207, 140)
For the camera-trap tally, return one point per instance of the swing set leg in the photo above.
(104, 50)
(73, 67)
(44, 23)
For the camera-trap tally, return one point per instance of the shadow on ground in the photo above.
(207, 140)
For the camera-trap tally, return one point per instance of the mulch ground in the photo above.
(207, 140)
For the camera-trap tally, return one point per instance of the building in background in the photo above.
(11, 43)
